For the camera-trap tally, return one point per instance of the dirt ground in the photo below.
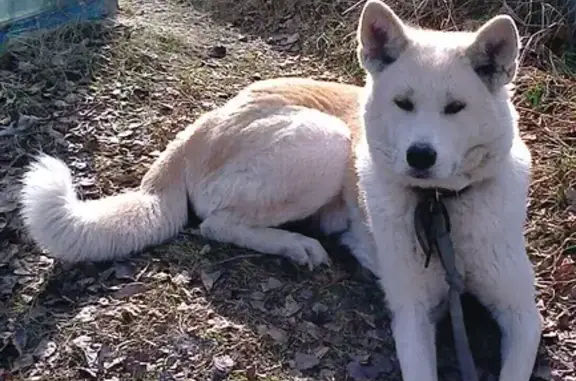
(107, 98)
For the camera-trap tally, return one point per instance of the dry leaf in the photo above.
(310, 329)
(221, 367)
(291, 306)
(124, 270)
(7, 284)
(182, 279)
(7, 254)
(161, 276)
(86, 314)
(257, 295)
(258, 305)
(208, 279)
(26, 121)
(304, 361)
(321, 351)
(205, 249)
(21, 363)
(91, 352)
(564, 321)
(114, 362)
(219, 323)
(125, 133)
(45, 349)
(277, 334)
(20, 340)
(129, 290)
(271, 284)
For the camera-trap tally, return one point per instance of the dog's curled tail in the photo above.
(109, 228)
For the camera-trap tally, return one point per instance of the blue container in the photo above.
(18, 16)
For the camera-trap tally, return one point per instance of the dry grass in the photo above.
(108, 97)
(327, 27)
(547, 103)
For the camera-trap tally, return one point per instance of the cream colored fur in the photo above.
(288, 148)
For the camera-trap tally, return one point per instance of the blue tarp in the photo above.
(18, 16)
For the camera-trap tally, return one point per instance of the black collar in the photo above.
(439, 193)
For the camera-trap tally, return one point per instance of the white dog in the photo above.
(435, 113)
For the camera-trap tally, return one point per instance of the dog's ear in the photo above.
(381, 36)
(494, 52)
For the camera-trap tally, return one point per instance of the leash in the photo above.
(432, 227)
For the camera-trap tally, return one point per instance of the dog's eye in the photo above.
(405, 104)
(454, 108)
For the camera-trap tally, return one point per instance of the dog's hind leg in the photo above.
(295, 166)
(334, 216)
(294, 246)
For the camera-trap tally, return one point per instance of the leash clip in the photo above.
(431, 221)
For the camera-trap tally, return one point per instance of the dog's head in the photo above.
(437, 110)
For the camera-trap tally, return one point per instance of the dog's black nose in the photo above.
(421, 156)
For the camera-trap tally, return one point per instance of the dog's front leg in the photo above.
(504, 283)
(412, 292)
(520, 325)
(414, 336)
